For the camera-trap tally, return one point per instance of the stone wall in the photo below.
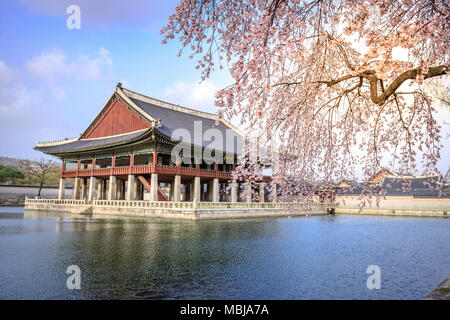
(170, 210)
(396, 206)
(15, 195)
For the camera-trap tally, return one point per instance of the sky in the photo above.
(54, 80)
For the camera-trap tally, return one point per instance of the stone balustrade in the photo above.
(207, 205)
(178, 209)
(55, 201)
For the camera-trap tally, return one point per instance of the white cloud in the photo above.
(194, 95)
(18, 104)
(54, 64)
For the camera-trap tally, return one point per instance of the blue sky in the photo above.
(54, 81)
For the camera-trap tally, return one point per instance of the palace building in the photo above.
(127, 153)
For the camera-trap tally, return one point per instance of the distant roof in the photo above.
(166, 118)
(402, 185)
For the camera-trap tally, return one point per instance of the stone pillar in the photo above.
(99, 189)
(154, 187)
(234, 191)
(273, 192)
(184, 193)
(170, 191)
(248, 197)
(136, 188)
(76, 188)
(103, 182)
(130, 188)
(112, 188)
(176, 188)
(62, 189)
(190, 191)
(261, 191)
(209, 191)
(120, 187)
(91, 188)
(196, 194)
(141, 190)
(215, 190)
(83, 188)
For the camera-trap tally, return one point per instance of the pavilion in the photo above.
(129, 148)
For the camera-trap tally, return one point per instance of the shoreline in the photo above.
(441, 292)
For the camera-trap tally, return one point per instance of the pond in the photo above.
(323, 257)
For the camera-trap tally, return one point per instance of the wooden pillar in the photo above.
(78, 167)
(93, 166)
(131, 163)
(113, 165)
(63, 164)
(155, 160)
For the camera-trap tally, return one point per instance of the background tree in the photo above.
(338, 83)
(40, 172)
(9, 175)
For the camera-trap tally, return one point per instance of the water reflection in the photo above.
(137, 258)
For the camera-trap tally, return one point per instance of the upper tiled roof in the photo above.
(175, 117)
(171, 116)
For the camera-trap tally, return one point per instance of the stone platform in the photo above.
(176, 210)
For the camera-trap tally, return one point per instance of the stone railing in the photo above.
(145, 204)
(206, 205)
(55, 201)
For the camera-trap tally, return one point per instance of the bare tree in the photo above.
(39, 171)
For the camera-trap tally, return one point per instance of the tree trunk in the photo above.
(40, 188)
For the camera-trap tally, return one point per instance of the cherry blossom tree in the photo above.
(338, 83)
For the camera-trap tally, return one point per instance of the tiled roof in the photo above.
(83, 144)
(171, 116)
(175, 117)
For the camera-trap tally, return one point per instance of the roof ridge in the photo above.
(116, 135)
(169, 105)
(56, 142)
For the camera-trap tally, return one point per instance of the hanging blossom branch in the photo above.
(323, 78)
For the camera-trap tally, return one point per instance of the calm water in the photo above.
(325, 258)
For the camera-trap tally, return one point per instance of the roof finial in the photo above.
(119, 85)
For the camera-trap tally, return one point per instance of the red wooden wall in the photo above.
(117, 119)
